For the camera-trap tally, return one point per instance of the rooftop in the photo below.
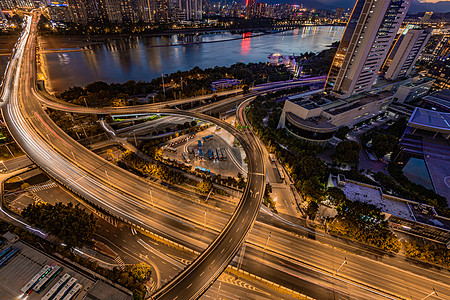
(318, 123)
(430, 118)
(356, 192)
(440, 99)
(391, 205)
(357, 101)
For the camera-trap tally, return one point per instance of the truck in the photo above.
(224, 153)
(207, 138)
(186, 158)
(272, 158)
(200, 149)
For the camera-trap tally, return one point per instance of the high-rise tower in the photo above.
(364, 46)
(407, 52)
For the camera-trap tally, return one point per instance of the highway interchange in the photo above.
(130, 198)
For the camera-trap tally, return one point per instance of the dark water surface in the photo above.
(144, 58)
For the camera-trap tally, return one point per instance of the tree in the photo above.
(141, 272)
(336, 196)
(312, 209)
(383, 144)
(204, 186)
(25, 185)
(119, 102)
(342, 132)
(312, 189)
(268, 190)
(347, 152)
(72, 224)
(245, 88)
(97, 86)
(110, 153)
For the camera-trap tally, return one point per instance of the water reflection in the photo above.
(144, 58)
(246, 43)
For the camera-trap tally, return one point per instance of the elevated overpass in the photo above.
(125, 196)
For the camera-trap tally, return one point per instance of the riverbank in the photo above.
(60, 43)
(145, 58)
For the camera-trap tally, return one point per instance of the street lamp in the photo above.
(430, 294)
(267, 241)
(241, 257)
(1, 161)
(204, 221)
(107, 176)
(343, 263)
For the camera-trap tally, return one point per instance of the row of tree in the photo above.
(357, 220)
(299, 158)
(190, 83)
(156, 170)
(72, 224)
(132, 277)
(361, 221)
(433, 253)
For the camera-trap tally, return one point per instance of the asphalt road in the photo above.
(44, 143)
(395, 275)
(15, 163)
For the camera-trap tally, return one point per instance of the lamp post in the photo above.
(1, 161)
(267, 241)
(343, 263)
(204, 221)
(107, 176)
(242, 257)
(430, 294)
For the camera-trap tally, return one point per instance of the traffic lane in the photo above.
(96, 193)
(195, 210)
(133, 183)
(301, 233)
(207, 281)
(217, 256)
(16, 162)
(296, 278)
(146, 126)
(360, 269)
(230, 287)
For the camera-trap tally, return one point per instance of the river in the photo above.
(144, 58)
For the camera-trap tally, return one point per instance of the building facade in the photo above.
(413, 90)
(192, 9)
(408, 51)
(250, 9)
(316, 118)
(364, 46)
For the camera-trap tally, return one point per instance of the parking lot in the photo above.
(20, 269)
(231, 166)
